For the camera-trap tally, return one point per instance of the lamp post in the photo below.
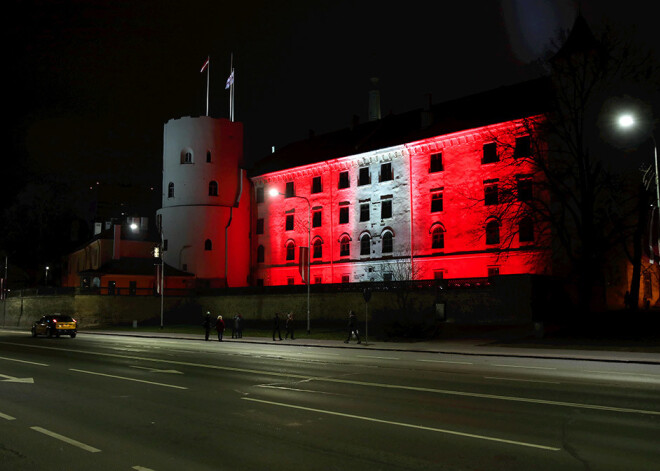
(627, 121)
(46, 276)
(162, 274)
(273, 192)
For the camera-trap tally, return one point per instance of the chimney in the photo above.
(374, 100)
(116, 246)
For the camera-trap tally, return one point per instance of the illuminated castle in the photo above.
(411, 196)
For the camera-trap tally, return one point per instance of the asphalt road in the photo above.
(120, 403)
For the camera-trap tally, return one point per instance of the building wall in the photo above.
(463, 218)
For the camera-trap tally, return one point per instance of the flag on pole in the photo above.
(230, 80)
(303, 262)
(206, 64)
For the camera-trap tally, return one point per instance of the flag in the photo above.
(303, 262)
(206, 64)
(230, 80)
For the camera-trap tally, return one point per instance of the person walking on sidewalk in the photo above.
(276, 326)
(234, 329)
(289, 326)
(352, 327)
(207, 325)
(220, 327)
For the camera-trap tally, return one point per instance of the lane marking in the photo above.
(68, 440)
(141, 468)
(523, 380)
(156, 370)
(13, 379)
(127, 379)
(403, 424)
(23, 361)
(376, 357)
(450, 362)
(6, 417)
(353, 382)
(269, 386)
(527, 367)
(647, 375)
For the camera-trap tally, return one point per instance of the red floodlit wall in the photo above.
(393, 207)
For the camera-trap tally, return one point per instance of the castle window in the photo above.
(187, 157)
(490, 153)
(437, 202)
(170, 190)
(260, 254)
(386, 172)
(289, 222)
(318, 249)
(364, 178)
(524, 189)
(317, 187)
(526, 229)
(260, 195)
(290, 251)
(436, 163)
(260, 226)
(343, 215)
(523, 147)
(317, 217)
(208, 156)
(386, 209)
(490, 194)
(493, 232)
(343, 180)
(388, 242)
(208, 245)
(364, 212)
(213, 188)
(344, 247)
(290, 190)
(365, 245)
(438, 237)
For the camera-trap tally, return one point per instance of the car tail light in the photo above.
(54, 321)
(75, 321)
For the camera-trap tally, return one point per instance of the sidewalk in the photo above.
(468, 347)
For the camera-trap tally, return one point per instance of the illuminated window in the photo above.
(260, 195)
(344, 247)
(260, 226)
(290, 191)
(316, 185)
(388, 242)
(490, 194)
(364, 178)
(365, 245)
(289, 222)
(290, 251)
(318, 249)
(437, 202)
(343, 215)
(260, 254)
(213, 188)
(524, 189)
(438, 237)
(343, 180)
(523, 147)
(492, 232)
(170, 190)
(490, 153)
(436, 163)
(316, 218)
(208, 245)
(364, 212)
(386, 172)
(526, 229)
(386, 209)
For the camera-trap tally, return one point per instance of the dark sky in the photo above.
(91, 82)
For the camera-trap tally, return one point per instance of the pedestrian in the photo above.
(352, 327)
(220, 327)
(289, 326)
(234, 328)
(207, 325)
(240, 326)
(276, 326)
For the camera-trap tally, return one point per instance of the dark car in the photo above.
(56, 325)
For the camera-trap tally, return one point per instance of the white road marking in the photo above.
(402, 424)
(376, 357)
(12, 379)
(156, 370)
(23, 361)
(68, 440)
(450, 362)
(6, 417)
(523, 380)
(646, 375)
(447, 392)
(141, 468)
(128, 379)
(269, 386)
(527, 367)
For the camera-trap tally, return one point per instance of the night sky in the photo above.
(91, 82)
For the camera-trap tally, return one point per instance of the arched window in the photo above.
(213, 188)
(388, 242)
(186, 157)
(208, 245)
(492, 232)
(260, 254)
(345, 246)
(318, 248)
(170, 190)
(365, 245)
(438, 237)
(290, 250)
(526, 229)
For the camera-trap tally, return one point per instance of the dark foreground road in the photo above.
(115, 403)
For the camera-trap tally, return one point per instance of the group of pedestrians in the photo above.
(220, 326)
(288, 325)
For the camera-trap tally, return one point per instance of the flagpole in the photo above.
(208, 73)
(231, 89)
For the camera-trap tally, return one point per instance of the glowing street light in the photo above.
(273, 193)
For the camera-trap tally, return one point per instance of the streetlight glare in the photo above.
(626, 121)
(273, 192)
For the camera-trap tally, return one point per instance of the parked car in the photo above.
(56, 325)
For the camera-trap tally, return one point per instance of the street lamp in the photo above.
(273, 192)
(628, 121)
(46, 276)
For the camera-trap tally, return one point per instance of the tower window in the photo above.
(526, 230)
(492, 233)
(364, 212)
(438, 238)
(316, 185)
(344, 247)
(490, 194)
(364, 178)
(170, 190)
(318, 249)
(523, 147)
(213, 188)
(289, 222)
(290, 190)
(343, 180)
(260, 195)
(386, 172)
(388, 243)
(290, 251)
(260, 254)
(524, 189)
(260, 226)
(208, 245)
(365, 245)
(343, 215)
(437, 202)
(436, 163)
(208, 155)
(187, 157)
(386, 209)
(490, 153)
(317, 218)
